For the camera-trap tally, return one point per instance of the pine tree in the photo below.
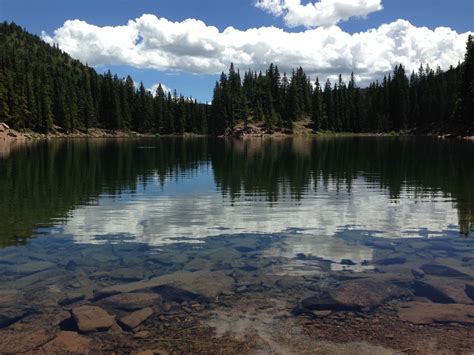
(318, 115)
(465, 105)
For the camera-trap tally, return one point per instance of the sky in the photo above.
(185, 44)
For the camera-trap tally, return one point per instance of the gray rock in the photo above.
(127, 275)
(30, 268)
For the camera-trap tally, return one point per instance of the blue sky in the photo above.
(48, 15)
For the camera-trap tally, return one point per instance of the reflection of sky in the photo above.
(324, 247)
(191, 206)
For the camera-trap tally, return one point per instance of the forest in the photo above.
(55, 91)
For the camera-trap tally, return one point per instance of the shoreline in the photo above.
(10, 135)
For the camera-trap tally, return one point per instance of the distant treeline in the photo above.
(42, 87)
(426, 101)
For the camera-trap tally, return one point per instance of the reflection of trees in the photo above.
(44, 181)
(421, 167)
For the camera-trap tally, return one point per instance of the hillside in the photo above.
(42, 87)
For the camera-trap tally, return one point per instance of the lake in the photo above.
(268, 244)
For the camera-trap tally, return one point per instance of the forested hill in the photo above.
(42, 87)
(425, 101)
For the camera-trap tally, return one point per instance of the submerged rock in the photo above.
(30, 268)
(10, 298)
(12, 315)
(12, 307)
(13, 342)
(390, 261)
(131, 301)
(70, 343)
(441, 270)
(71, 298)
(443, 290)
(92, 319)
(427, 313)
(354, 295)
(208, 284)
(136, 318)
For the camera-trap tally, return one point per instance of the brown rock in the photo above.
(354, 295)
(136, 318)
(418, 273)
(441, 270)
(10, 298)
(71, 342)
(426, 313)
(205, 283)
(92, 319)
(443, 289)
(72, 297)
(151, 352)
(142, 334)
(131, 301)
(11, 315)
(322, 314)
(13, 342)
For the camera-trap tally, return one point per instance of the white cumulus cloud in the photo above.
(192, 46)
(321, 13)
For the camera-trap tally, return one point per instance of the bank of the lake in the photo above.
(252, 130)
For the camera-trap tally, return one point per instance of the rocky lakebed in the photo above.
(246, 293)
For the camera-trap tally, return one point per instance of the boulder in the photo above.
(207, 284)
(354, 295)
(427, 313)
(131, 301)
(92, 319)
(136, 318)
